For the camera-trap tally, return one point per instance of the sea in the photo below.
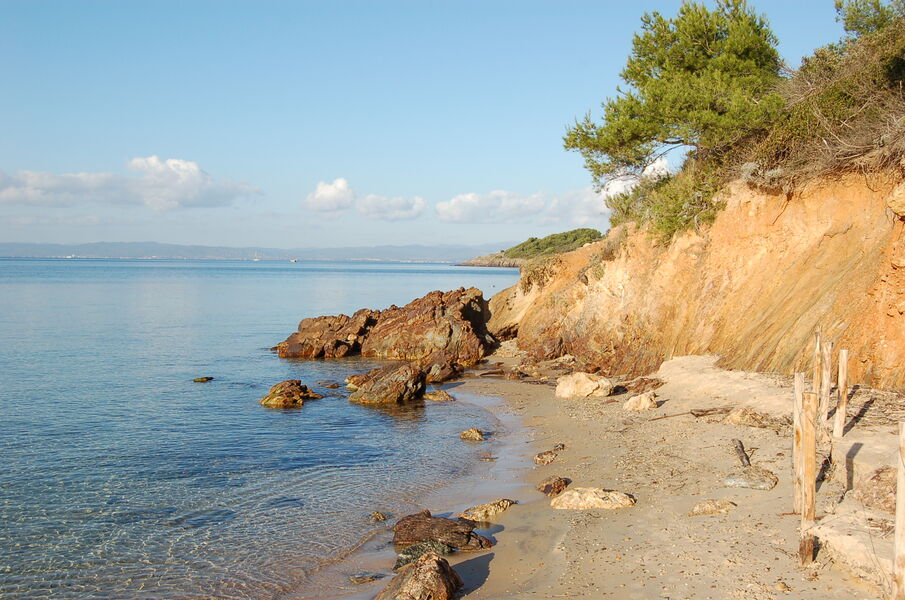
(122, 478)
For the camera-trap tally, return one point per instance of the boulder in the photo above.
(583, 385)
(896, 200)
(428, 578)
(456, 533)
(485, 512)
(545, 457)
(751, 477)
(645, 401)
(711, 507)
(439, 369)
(472, 435)
(288, 394)
(553, 486)
(411, 553)
(393, 384)
(441, 326)
(585, 498)
(329, 336)
(439, 396)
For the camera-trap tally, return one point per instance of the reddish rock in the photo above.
(449, 324)
(329, 337)
(393, 384)
(428, 578)
(288, 394)
(458, 533)
(553, 486)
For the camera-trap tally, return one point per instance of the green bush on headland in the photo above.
(553, 244)
(709, 84)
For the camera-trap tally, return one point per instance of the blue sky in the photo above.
(292, 124)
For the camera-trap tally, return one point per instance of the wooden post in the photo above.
(826, 380)
(815, 381)
(842, 405)
(898, 590)
(808, 477)
(796, 441)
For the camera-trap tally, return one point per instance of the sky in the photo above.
(298, 124)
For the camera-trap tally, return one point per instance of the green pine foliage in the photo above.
(553, 244)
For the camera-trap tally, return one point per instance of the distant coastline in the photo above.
(498, 259)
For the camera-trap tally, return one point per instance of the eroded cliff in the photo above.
(752, 288)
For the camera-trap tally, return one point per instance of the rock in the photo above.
(288, 394)
(428, 578)
(645, 401)
(439, 396)
(485, 512)
(393, 384)
(354, 381)
(330, 385)
(559, 447)
(749, 417)
(472, 435)
(711, 507)
(878, 490)
(896, 200)
(515, 375)
(202, 379)
(583, 385)
(755, 478)
(553, 486)
(545, 457)
(439, 369)
(421, 526)
(329, 336)
(411, 553)
(377, 517)
(451, 325)
(584, 498)
(639, 385)
(365, 577)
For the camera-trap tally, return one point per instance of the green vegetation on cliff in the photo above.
(708, 84)
(553, 244)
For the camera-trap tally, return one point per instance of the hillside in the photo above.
(752, 288)
(534, 248)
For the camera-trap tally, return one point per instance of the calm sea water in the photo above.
(121, 478)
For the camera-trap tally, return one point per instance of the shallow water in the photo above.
(121, 478)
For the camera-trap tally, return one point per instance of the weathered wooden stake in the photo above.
(808, 477)
(842, 405)
(815, 381)
(796, 441)
(898, 591)
(826, 380)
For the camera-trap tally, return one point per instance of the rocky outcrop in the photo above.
(458, 534)
(393, 384)
(428, 578)
(411, 553)
(486, 512)
(288, 394)
(442, 331)
(751, 288)
(494, 260)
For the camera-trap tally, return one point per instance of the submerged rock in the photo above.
(411, 553)
(377, 517)
(288, 394)
(645, 401)
(393, 384)
(428, 578)
(751, 477)
(711, 507)
(585, 498)
(485, 512)
(365, 577)
(330, 385)
(472, 435)
(552, 486)
(420, 527)
(583, 385)
(439, 396)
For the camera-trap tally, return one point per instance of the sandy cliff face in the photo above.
(752, 288)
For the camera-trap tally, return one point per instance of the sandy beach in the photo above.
(652, 549)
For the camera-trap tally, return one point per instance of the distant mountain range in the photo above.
(151, 250)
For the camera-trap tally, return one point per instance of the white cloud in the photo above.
(580, 207)
(330, 197)
(160, 185)
(496, 207)
(390, 209)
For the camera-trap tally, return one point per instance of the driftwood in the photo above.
(698, 412)
(742, 455)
